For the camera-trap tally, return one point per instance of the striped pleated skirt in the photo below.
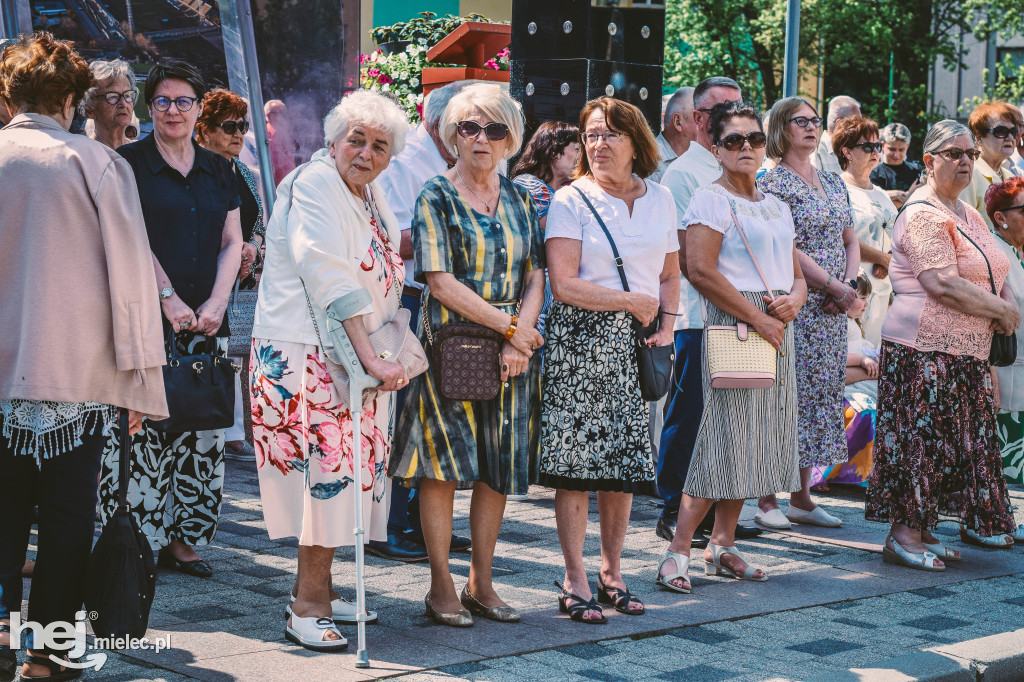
(747, 443)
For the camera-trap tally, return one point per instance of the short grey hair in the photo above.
(369, 108)
(714, 82)
(437, 101)
(841, 106)
(105, 73)
(895, 132)
(944, 131)
(493, 103)
(679, 101)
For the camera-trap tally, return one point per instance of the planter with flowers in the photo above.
(398, 70)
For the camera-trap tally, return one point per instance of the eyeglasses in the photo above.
(180, 103)
(231, 127)
(1011, 208)
(734, 141)
(493, 131)
(955, 153)
(114, 98)
(802, 121)
(611, 138)
(1002, 132)
(867, 147)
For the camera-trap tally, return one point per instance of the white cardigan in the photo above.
(319, 233)
(1011, 379)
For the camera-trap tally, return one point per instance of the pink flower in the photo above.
(373, 73)
(363, 58)
(419, 110)
(328, 437)
(491, 64)
(384, 79)
(504, 53)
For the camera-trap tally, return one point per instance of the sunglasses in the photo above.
(955, 154)
(802, 121)
(867, 147)
(231, 127)
(1011, 208)
(493, 131)
(1002, 132)
(180, 103)
(114, 98)
(734, 141)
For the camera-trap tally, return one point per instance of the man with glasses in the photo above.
(695, 168)
(840, 107)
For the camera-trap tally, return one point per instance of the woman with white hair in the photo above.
(479, 250)
(331, 234)
(937, 453)
(109, 102)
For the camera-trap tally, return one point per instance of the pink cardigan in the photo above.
(79, 313)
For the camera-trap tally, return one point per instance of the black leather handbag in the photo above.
(654, 363)
(122, 573)
(200, 389)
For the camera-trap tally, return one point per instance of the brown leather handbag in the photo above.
(466, 358)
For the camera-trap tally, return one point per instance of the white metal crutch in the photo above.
(341, 309)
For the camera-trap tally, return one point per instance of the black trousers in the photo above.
(64, 489)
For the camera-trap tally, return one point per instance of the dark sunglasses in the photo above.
(231, 127)
(181, 103)
(734, 141)
(493, 131)
(1011, 208)
(867, 147)
(1003, 131)
(802, 121)
(955, 154)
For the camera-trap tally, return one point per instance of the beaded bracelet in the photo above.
(512, 328)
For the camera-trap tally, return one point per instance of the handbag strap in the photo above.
(125, 463)
(991, 279)
(757, 266)
(615, 251)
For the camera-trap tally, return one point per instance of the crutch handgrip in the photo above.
(339, 310)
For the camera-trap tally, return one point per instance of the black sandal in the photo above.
(579, 607)
(8, 658)
(620, 599)
(56, 674)
(197, 567)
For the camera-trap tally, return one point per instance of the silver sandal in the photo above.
(925, 561)
(682, 567)
(716, 567)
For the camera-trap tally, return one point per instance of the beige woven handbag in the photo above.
(737, 356)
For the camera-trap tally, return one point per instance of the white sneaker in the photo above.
(773, 520)
(815, 517)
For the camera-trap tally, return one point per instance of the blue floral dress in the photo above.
(820, 337)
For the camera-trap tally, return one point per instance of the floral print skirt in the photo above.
(594, 432)
(936, 451)
(304, 449)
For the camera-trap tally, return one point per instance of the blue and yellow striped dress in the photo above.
(492, 441)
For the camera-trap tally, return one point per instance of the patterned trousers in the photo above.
(177, 481)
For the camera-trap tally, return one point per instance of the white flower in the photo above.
(386, 87)
(414, 81)
(403, 56)
(422, 41)
(404, 75)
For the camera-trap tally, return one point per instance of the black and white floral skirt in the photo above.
(594, 424)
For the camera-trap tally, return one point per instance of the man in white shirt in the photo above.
(824, 157)
(423, 158)
(696, 168)
(677, 130)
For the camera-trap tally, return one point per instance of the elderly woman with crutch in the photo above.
(332, 239)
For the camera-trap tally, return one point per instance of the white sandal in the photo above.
(716, 567)
(310, 632)
(815, 517)
(925, 561)
(342, 611)
(1018, 535)
(941, 551)
(682, 568)
(998, 541)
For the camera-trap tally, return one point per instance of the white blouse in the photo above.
(768, 225)
(643, 238)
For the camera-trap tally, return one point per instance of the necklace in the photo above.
(738, 192)
(487, 204)
(814, 185)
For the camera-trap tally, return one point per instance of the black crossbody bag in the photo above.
(1004, 348)
(654, 363)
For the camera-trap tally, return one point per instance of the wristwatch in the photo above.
(166, 292)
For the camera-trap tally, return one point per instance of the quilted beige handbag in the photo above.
(737, 356)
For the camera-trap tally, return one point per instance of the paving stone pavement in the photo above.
(829, 604)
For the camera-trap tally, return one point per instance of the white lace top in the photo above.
(45, 429)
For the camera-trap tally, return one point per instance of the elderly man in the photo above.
(840, 107)
(423, 158)
(279, 139)
(677, 130)
(695, 168)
